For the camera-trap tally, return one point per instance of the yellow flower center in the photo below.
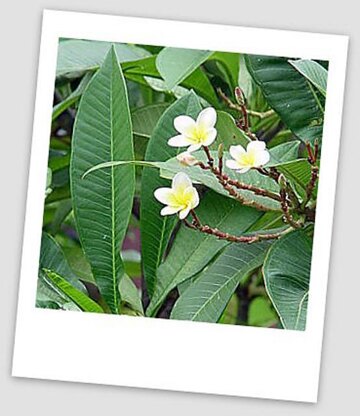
(198, 134)
(248, 159)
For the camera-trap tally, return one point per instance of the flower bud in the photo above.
(239, 95)
(282, 181)
(220, 151)
(186, 159)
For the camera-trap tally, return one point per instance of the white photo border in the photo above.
(128, 351)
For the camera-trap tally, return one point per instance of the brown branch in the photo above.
(249, 239)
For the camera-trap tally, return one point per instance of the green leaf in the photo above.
(78, 56)
(206, 299)
(80, 299)
(278, 156)
(287, 277)
(299, 173)
(52, 257)
(227, 132)
(289, 94)
(77, 261)
(193, 250)
(61, 213)
(229, 64)
(175, 64)
(47, 297)
(102, 201)
(313, 72)
(130, 295)
(144, 71)
(144, 119)
(155, 229)
(72, 98)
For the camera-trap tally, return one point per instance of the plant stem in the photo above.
(249, 239)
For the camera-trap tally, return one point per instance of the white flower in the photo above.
(195, 133)
(180, 198)
(186, 159)
(255, 156)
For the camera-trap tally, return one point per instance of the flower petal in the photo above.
(244, 170)
(185, 125)
(232, 164)
(184, 213)
(165, 196)
(256, 146)
(207, 118)
(180, 182)
(262, 158)
(178, 141)
(169, 210)
(193, 196)
(210, 137)
(193, 147)
(236, 151)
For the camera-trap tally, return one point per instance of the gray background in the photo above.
(20, 35)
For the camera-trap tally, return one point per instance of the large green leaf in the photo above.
(144, 71)
(52, 257)
(80, 299)
(206, 299)
(193, 250)
(278, 155)
(78, 56)
(289, 94)
(156, 230)
(313, 72)
(102, 201)
(287, 276)
(175, 64)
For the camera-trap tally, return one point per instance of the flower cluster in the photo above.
(182, 197)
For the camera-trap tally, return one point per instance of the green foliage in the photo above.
(313, 72)
(79, 298)
(206, 299)
(192, 251)
(156, 230)
(102, 201)
(238, 257)
(287, 277)
(289, 94)
(176, 64)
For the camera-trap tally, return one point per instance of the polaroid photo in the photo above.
(180, 206)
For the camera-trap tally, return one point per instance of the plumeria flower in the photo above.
(180, 198)
(186, 159)
(255, 156)
(195, 133)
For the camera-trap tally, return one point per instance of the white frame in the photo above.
(205, 358)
